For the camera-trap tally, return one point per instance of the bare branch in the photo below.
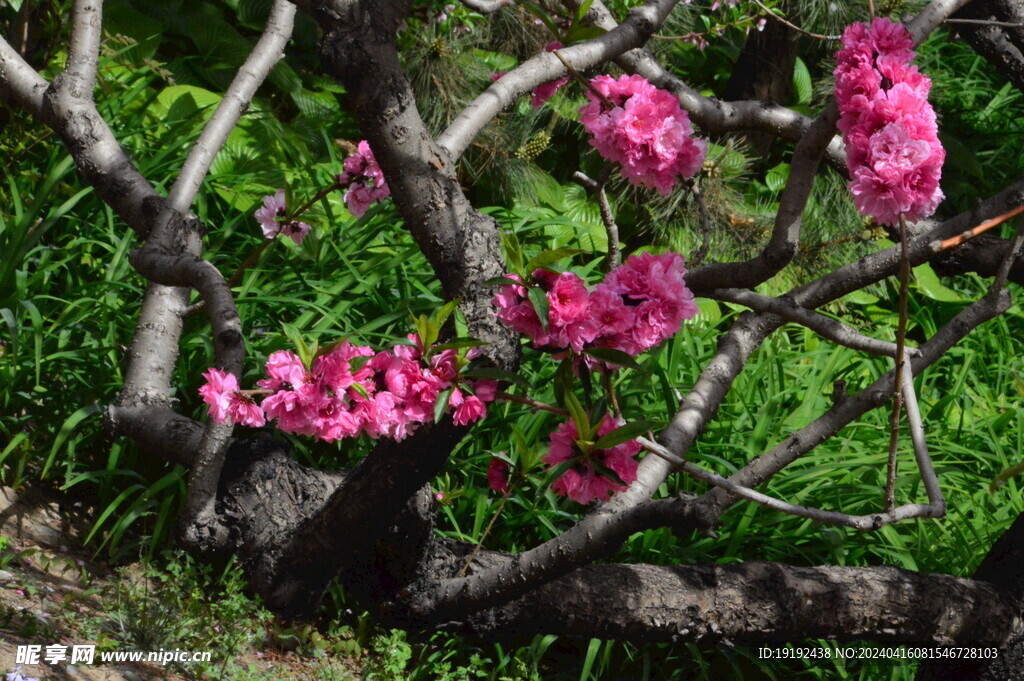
(761, 602)
(20, 83)
(546, 67)
(607, 217)
(486, 6)
(860, 522)
(267, 52)
(931, 17)
(845, 411)
(84, 48)
(785, 239)
(833, 330)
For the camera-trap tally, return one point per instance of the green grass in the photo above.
(69, 298)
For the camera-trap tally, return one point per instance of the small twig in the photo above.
(986, 22)
(586, 83)
(309, 204)
(612, 399)
(871, 9)
(897, 397)
(826, 327)
(796, 28)
(607, 217)
(705, 225)
(953, 242)
(487, 530)
(530, 402)
(860, 522)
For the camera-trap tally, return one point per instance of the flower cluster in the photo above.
(273, 219)
(893, 152)
(351, 390)
(584, 482)
(362, 180)
(644, 130)
(638, 305)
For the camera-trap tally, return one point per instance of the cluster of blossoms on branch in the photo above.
(893, 151)
(350, 390)
(586, 479)
(637, 306)
(274, 220)
(644, 130)
(362, 180)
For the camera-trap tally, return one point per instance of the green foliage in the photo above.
(69, 298)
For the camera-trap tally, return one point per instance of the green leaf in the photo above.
(801, 82)
(502, 281)
(302, 349)
(563, 380)
(541, 14)
(625, 433)
(539, 300)
(458, 344)
(445, 312)
(928, 283)
(547, 257)
(361, 389)
(582, 10)
(606, 472)
(777, 177)
(514, 252)
(616, 357)
(579, 415)
(578, 34)
(442, 404)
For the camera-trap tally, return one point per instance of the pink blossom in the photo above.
(296, 230)
(543, 93)
(486, 389)
(892, 148)
(644, 130)
(470, 409)
(498, 475)
(284, 368)
(217, 392)
(582, 483)
(244, 411)
(363, 180)
(272, 213)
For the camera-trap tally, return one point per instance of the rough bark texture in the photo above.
(1002, 46)
(764, 72)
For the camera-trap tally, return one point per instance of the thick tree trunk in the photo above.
(764, 72)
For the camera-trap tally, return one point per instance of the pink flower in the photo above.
(272, 213)
(363, 180)
(296, 230)
(645, 131)
(244, 411)
(217, 392)
(486, 389)
(892, 148)
(582, 483)
(543, 93)
(498, 475)
(470, 409)
(284, 369)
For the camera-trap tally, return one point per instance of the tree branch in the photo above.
(545, 67)
(755, 602)
(833, 330)
(785, 239)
